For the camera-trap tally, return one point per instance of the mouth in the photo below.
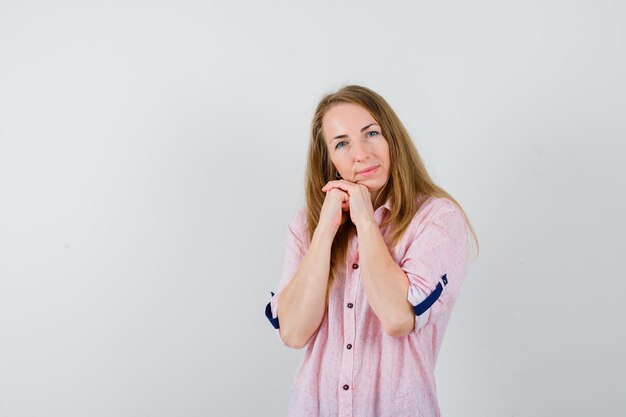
(367, 172)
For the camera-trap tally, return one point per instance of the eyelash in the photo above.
(337, 146)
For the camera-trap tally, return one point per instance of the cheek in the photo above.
(383, 153)
(338, 162)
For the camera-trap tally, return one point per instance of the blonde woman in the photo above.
(374, 264)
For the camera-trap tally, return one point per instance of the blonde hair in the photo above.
(408, 177)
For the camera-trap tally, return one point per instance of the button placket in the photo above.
(349, 330)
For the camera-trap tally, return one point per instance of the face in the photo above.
(356, 145)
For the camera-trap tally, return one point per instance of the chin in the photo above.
(374, 188)
(373, 184)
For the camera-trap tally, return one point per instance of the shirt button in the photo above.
(355, 266)
(349, 346)
(350, 305)
(346, 387)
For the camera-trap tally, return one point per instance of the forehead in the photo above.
(344, 118)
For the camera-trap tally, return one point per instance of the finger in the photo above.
(344, 185)
(338, 194)
(342, 194)
(351, 189)
(327, 190)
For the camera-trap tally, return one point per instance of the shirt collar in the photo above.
(387, 205)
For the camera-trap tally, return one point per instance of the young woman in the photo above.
(373, 267)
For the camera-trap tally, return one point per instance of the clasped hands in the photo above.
(345, 198)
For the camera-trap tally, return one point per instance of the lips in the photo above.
(368, 171)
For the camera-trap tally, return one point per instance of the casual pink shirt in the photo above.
(351, 367)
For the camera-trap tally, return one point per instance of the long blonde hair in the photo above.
(408, 177)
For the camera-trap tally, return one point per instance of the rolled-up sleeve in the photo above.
(295, 248)
(435, 264)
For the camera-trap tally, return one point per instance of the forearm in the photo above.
(302, 302)
(384, 282)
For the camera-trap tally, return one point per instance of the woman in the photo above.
(373, 267)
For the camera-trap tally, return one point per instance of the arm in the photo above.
(384, 282)
(303, 300)
(437, 254)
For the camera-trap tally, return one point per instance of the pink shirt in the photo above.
(351, 367)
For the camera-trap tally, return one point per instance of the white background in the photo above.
(152, 154)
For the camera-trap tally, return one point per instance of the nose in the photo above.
(361, 152)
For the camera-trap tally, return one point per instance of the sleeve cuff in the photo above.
(271, 311)
(422, 302)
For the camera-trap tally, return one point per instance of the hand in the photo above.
(359, 200)
(334, 210)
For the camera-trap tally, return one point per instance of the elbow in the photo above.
(294, 344)
(400, 326)
(293, 341)
(397, 331)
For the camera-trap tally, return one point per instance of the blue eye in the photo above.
(372, 133)
(340, 144)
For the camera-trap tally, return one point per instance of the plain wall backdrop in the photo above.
(152, 154)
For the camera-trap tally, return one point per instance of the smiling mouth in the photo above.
(368, 171)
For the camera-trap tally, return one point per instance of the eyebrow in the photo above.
(362, 129)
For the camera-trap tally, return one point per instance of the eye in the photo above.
(372, 133)
(341, 144)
